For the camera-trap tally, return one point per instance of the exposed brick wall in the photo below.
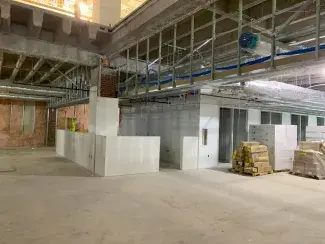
(108, 86)
(11, 125)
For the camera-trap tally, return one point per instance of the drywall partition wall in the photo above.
(209, 120)
(100, 155)
(286, 118)
(130, 155)
(107, 116)
(312, 120)
(76, 147)
(92, 109)
(189, 153)
(170, 120)
(60, 142)
(253, 117)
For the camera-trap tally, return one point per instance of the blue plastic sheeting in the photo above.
(231, 67)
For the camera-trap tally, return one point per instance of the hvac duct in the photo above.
(281, 93)
(255, 44)
(24, 97)
(32, 90)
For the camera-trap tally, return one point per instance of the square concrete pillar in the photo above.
(286, 118)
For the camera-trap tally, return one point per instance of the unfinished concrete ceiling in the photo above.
(128, 6)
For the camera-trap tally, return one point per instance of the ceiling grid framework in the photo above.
(179, 57)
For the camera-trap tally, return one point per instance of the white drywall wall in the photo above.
(189, 153)
(107, 116)
(92, 109)
(77, 147)
(209, 119)
(253, 117)
(131, 155)
(169, 121)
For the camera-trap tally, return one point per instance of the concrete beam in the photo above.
(18, 66)
(35, 23)
(5, 17)
(37, 48)
(63, 30)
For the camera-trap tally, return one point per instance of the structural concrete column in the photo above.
(286, 118)
(312, 120)
(253, 117)
(209, 125)
(106, 12)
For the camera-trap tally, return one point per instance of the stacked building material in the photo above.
(281, 141)
(251, 158)
(309, 159)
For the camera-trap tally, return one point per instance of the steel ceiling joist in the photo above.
(37, 66)
(64, 74)
(49, 73)
(19, 63)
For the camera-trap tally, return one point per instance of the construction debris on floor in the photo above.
(251, 158)
(309, 159)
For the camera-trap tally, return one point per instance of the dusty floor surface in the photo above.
(203, 206)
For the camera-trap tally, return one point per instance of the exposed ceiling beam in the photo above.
(37, 66)
(38, 48)
(65, 74)
(266, 17)
(19, 63)
(48, 74)
(294, 16)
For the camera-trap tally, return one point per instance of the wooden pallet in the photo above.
(249, 174)
(281, 171)
(306, 175)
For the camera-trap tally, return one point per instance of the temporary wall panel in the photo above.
(123, 155)
(169, 121)
(209, 125)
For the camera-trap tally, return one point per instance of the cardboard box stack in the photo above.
(251, 158)
(309, 159)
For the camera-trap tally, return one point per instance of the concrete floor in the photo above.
(202, 206)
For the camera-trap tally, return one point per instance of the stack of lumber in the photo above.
(251, 158)
(309, 159)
